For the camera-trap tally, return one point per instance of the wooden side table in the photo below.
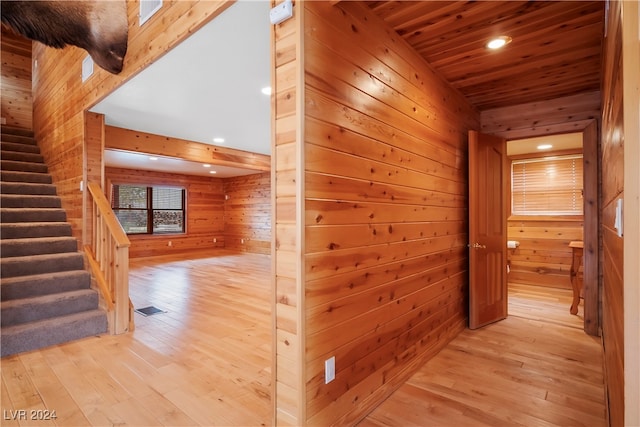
(576, 282)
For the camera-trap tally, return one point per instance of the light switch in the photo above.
(329, 370)
(617, 224)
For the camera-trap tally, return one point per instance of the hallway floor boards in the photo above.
(535, 368)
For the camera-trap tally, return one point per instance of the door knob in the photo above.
(476, 246)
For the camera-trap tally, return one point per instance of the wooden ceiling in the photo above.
(556, 48)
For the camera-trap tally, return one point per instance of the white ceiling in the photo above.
(566, 141)
(208, 86)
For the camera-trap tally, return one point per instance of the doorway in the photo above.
(549, 208)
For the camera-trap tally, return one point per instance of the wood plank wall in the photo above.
(287, 148)
(227, 209)
(385, 210)
(248, 198)
(612, 190)
(542, 118)
(142, 142)
(93, 169)
(247, 213)
(543, 257)
(205, 212)
(631, 105)
(60, 98)
(16, 102)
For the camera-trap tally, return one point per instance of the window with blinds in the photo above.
(168, 210)
(547, 186)
(149, 210)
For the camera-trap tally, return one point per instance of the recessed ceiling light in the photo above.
(498, 42)
(266, 90)
(206, 166)
(213, 172)
(153, 158)
(544, 146)
(218, 140)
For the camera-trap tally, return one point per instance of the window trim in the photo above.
(149, 208)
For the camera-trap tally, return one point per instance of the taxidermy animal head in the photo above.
(99, 27)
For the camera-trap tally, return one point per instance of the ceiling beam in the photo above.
(141, 142)
(555, 116)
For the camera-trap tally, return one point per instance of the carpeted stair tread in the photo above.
(18, 139)
(12, 130)
(37, 246)
(24, 188)
(13, 215)
(21, 156)
(44, 284)
(46, 295)
(29, 201)
(18, 146)
(13, 165)
(26, 230)
(40, 264)
(18, 176)
(24, 310)
(34, 335)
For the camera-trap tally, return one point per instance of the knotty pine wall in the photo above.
(16, 102)
(227, 209)
(612, 190)
(543, 257)
(288, 376)
(542, 118)
(247, 213)
(142, 142)
(631, 65)
(60, 98)
(385, 210)
(205, 212)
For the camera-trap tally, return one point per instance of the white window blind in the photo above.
(547, 186)
(167, 198)
(168, 210)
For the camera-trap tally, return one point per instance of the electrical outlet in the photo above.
(169, 243)
(242, 241)
(215, 240)
(329, 369)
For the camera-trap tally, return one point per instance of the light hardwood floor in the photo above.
(536, 368)
(206, 361)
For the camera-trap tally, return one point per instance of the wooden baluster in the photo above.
(111, 254)
(121, 266)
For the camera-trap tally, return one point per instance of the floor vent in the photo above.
(149, 311)
(148, 8)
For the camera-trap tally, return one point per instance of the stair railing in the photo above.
(108, 257)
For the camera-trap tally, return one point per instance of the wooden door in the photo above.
(488, 191)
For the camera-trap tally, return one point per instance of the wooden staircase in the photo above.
(46, 297)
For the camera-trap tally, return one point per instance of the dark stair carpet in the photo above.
(46, 295)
